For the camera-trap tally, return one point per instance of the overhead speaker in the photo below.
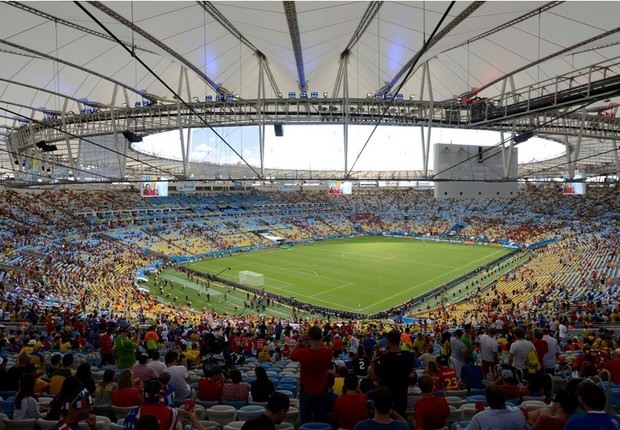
(277, 128)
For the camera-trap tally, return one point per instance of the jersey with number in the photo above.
(447, 378)
(360, 366)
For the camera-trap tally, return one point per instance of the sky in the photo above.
(320, 147)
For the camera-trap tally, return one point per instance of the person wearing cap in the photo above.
(592, 398)
(141, 369)
(563, 405)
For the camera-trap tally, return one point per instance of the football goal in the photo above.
(252, 279)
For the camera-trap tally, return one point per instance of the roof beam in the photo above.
(69, 24)
(552, 55)
(444, 31)
(293, 28)
(224, 22)
(159, 44)
(367, 18)
(45, 56)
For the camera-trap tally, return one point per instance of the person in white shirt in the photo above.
(519, 350)
(179, 376)
(550, 359)
(488, 351)
(563, 332)
(157, 365)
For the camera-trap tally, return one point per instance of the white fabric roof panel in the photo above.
(392, 38)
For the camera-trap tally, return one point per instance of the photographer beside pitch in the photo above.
(315, 362)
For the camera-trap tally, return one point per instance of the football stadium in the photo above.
(309, 215)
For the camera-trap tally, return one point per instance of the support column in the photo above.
(345, 123)
(616, 157)
(63, 119)
(182, 76)
(261, 114)
(426, 140)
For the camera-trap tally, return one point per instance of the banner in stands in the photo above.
(152, 186)
(339, 187)
(186, 186)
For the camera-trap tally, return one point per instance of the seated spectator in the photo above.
(26, 405)
(235, 390)
(210, 387)
(104, 390)
(431, 411)
(275, 412)
(153, 405)
(263, 355)
(592, 399)
(141, 369)
(498, 416)
(157, 365)
(84, 374)
(563, 405)
(179, 376)
(384, 418)
(77, 408)
(262, 387)
(15, 373)
(168, 388)
(126, 394)
(351, 407)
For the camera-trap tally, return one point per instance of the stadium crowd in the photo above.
(75, 326)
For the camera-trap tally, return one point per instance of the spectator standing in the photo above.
(315, 363)
(106, 347)
(393, 369)
(550, 359)
(124, 350)
(519, 350)
(488, 351)
(458, 352)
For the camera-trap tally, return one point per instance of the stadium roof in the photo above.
(58, 58)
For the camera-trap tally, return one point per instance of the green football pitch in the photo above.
(363, 274)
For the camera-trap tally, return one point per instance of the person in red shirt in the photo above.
(210, 387)
(541, 346)
(350, 408)
(154, 405)
(337, 345)
(446, 376)
(316, 361)
(106, 347)
(126, 394)
(431, 412)
(247, 344)
(613, 366)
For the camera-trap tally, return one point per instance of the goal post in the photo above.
(252, 279)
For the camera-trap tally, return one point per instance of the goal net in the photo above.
(252, 279)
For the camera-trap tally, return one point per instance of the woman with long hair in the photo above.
(104, 390)
(26, 404)
(262, 387)
(126, 394)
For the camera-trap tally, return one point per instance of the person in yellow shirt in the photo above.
(193, 355)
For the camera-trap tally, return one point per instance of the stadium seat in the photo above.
(222, 414)
(234, 425)
(248, 412)
(28, 424)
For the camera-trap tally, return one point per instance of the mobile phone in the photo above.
(189, 405)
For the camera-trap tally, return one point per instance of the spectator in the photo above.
(26, 405)
(519, 350)
(431, 412)
(315, 360)
(592, 399)
(153, 405)
(262, 387)
(458, 352)
(488, 351)
(210, 387)
(235, 390)
(384, 417)
(85, 376)
(77, 407)
(179, 376)
(275, 412)
(498, 416)
(106, 347)
(351, 407)
(563, 405)
(157, 365)
(471, 375)
(126, 394)
(124, 350)
(142, 371)
(104, 390)
(392, 370)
